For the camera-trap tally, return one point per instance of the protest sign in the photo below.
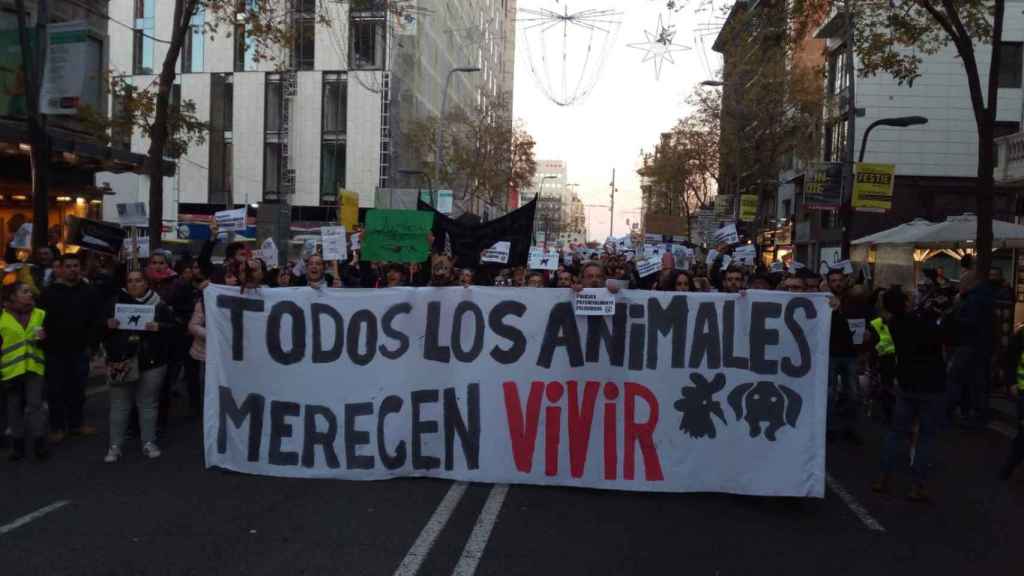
(541, 259)
(23, 237)
(142, 243)
(748, 207)
(823, 186)
(683, 256)
(133, 316)
(745, 254)
(356, 238)
(397, 236)
(98, 236)
(497, 254)
(335, 244)
(673, 393)
(646, 267)
(594, 302)
(725, 235)
(445, 201)
(132, 214)
(269, 253)
(857, 328)
(712, 255)
(230, 220)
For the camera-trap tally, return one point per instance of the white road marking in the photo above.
(425, 541)
(860, 511)
(33, 516)
(474, 549)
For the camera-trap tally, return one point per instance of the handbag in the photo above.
(124, 372)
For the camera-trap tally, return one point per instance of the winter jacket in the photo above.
(74, 317)
(151, 348)
(918, 339)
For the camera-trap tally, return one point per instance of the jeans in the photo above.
(928, 409)
(1017, 448)
(843, 393)
(143, 393)
(25, 406)
(195, 375)
(178, 344)
(66, 376)
(969, 382)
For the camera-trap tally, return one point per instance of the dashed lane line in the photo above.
(860, 511)
(425, 541)
(18, 523)
(474, 549)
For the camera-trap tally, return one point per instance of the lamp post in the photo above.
(438, 153)
(846, 209)
(900, 122)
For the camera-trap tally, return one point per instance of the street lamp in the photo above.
(899, 122)
(440, 118)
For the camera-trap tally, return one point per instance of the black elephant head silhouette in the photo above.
(765, 402)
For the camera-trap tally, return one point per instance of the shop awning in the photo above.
(955, 232)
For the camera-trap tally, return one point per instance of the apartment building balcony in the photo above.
(1010, 152)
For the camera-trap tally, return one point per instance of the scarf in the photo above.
(150, 298)
(153, 276)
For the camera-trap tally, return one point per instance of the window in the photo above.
(192, 50)
(221, 117)
(333, 139)
(1001, 129)
(304, 40)
(1011, 64)
(835, 141)
(245, 48)
(273, 138)
(367, 41)
(142, 44)
(121, 129)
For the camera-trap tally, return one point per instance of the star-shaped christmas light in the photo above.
(659, 46)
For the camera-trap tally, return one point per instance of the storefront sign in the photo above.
(823, 186)
(873, 186)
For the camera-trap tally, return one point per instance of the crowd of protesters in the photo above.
(59, 313)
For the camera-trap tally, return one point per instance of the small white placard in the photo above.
(143, 244)
(268, 253)
(356, 239)
(335, 244)
(746, 254)
(134, 316)
(445, 201)
(230, 220)
(712, 254)
(497, 253)
(594, 302)
(543, 260)
(132, 214)
(645, 268)
(726, 235)
(683, 256)
(857, 328)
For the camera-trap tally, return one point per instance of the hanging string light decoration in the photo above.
(567, 50)
(659, 46)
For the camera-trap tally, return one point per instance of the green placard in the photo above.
(397, 236)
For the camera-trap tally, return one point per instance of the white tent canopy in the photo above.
(955, 232)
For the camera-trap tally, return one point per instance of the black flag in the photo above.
(469, 240)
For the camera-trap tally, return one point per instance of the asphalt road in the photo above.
(76, 515)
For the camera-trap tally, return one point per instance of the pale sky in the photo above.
(626, 110)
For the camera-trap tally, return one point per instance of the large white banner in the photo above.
(674, 392)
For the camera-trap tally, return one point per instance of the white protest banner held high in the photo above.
(134, 316)
(230, 220)
(498, 253)
(335, 244)
(675, 392)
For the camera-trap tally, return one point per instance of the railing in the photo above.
(1010, 152)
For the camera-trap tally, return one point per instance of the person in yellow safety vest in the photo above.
(1017, 448)
(22, 368)
(885, 350)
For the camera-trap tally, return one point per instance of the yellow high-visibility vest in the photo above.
(885, 346)
(1020, 372)
(20, 354)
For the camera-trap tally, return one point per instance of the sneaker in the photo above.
(918, 494)
(113, 455)
(881, 486)
(151, 450)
